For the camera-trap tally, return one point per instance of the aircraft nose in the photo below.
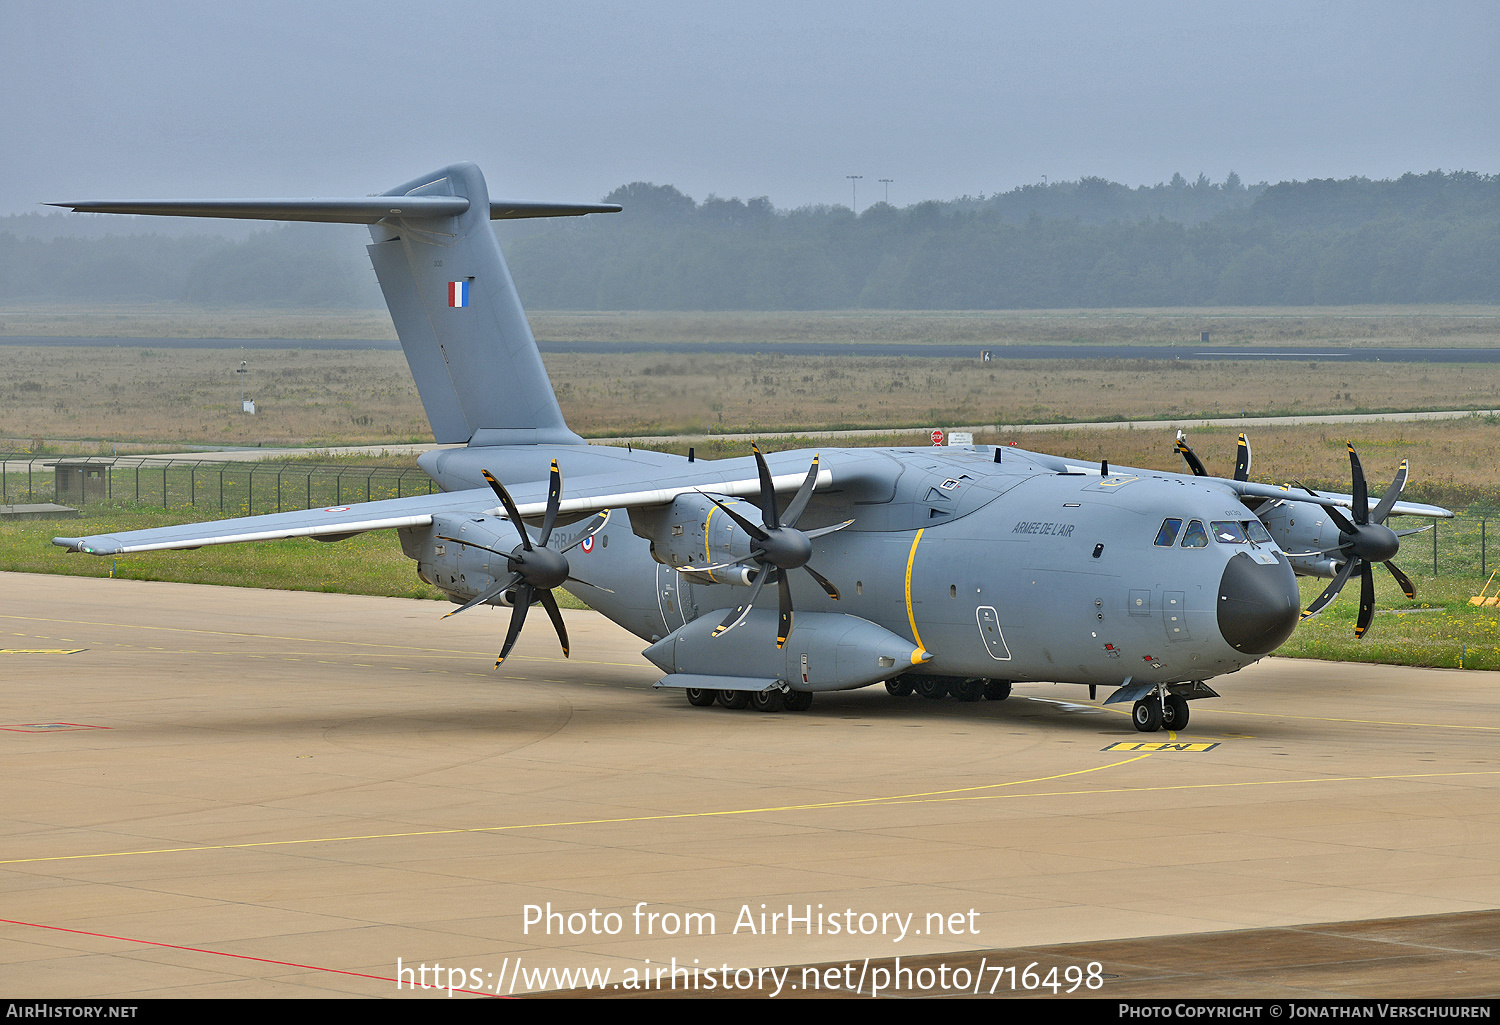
(1258, 604)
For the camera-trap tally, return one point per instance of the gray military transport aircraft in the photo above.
(935, 570)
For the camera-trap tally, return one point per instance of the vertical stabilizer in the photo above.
(460, 321)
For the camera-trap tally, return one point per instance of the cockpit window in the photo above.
(1195, 536)
(1228, 532)
(1256, 531)
(1167, 535)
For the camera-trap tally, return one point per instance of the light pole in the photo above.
(887, 183)
(854, 190)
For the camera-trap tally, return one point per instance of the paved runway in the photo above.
(231, 792)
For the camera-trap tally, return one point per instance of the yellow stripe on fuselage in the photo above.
(910, 615)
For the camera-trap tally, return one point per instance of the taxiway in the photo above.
(234, 792)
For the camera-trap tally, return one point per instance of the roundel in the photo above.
(342, 508)
(588, 544)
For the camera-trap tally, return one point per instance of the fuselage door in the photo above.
(989, 630)
(669, 597)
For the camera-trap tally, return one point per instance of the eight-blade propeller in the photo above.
(1364, 541)
(777, 546)
(535, 568)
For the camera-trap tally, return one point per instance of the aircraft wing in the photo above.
(1249, 489)
(337, 523)
(1253, 491)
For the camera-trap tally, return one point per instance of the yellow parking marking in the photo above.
(1158, 745)
(41, 651)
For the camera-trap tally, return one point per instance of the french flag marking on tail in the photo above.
(458, 293)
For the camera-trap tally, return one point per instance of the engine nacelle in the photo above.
(1304, 527)
(461, 570)
(692, 531)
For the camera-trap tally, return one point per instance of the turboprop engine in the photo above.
(460, 569)
(691, 530)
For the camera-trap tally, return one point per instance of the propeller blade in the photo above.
(593, 527)
(823, 582)
(1194, 463)
(767, 492)
(498, 589)
(550, 604)
(752, 529)
(738, 613)
(1361, 492)
(1331, 591)
(719, 565)
(517, 617)
(471, 544)
(1415, 530)
(1337, 517)
(827, 530)
(554, 499)
(1242, 460)
(510, 508)
(784, 593)
(804, 493)
(1366, 600)
(1388, 500)
(1401, 580)
(587, 583)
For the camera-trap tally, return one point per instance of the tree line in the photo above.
(1420, 238)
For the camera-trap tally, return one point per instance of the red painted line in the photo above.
(222, 953)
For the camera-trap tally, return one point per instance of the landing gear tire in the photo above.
(734, 698)
(768, 700)
(933, 689)
(700, 697)
(1175, 715)
(898, 688)
(1147, 714)
(799, 700)
(969, 690)
(996, 690)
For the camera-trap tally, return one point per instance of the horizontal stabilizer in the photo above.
(361, 210)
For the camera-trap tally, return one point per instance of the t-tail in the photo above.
(460, 321)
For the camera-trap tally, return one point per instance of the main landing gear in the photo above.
(960, 687)
(762, 701)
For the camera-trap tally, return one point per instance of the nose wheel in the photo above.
(1153, 713)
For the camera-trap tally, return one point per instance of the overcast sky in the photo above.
(565, 101)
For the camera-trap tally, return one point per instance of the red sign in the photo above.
(937, 437)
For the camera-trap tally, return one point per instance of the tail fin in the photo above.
(456, 311)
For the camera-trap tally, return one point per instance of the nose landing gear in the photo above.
(1157, 711)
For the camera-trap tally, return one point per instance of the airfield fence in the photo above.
(203, 485)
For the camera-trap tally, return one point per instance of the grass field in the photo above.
(176, 397)
(1447, 326)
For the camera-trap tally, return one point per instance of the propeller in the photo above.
(1363, 541)
(1241, 461)
(535, 568)
(777, 546)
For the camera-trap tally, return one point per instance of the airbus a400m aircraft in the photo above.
(954, 570)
